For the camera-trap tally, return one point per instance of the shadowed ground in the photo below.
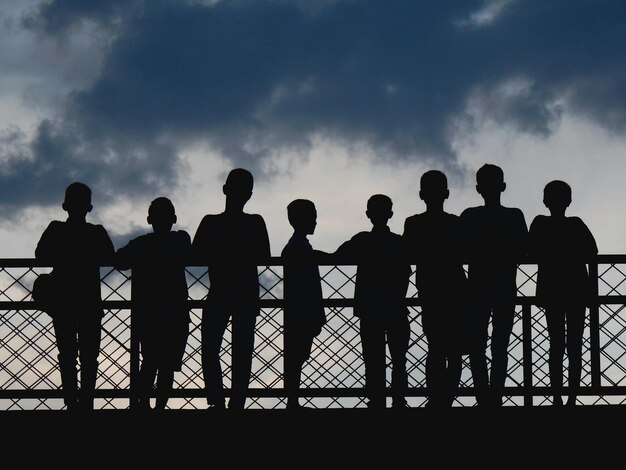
(465, 437)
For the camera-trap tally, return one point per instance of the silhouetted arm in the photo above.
(124, 257)
(186, 250)
(534, 238)
(263, 242)
(106, 253)
(346, 253)
(47, 249)
(201, 241)
(522, 235)
(589, 247)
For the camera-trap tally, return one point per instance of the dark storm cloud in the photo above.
(36, 173)
(57, 17)
(253, 76)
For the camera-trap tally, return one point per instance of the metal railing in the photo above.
(333, 377)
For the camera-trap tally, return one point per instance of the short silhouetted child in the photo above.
(304, 309)
(433, 239)
(562, 247)
(76, 249)
(159, 300)
(495, 238)
(382, 280)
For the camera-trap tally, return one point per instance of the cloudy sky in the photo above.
(330, 100)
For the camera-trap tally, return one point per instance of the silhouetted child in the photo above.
(76, 249)
(562, 247)
(304, 309)
(232, 244)
(434, 241)
(159, 299)
(382, 279)
(495, 242)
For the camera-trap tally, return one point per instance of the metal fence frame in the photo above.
(29, 377)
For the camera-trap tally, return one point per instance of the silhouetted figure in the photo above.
(232, 243)
(434, 241)
(159, 299)
(382, 280)
(495, 241)
(304, 309)
(562, 246)
(76, 249)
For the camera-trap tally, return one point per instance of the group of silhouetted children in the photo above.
(457, 307)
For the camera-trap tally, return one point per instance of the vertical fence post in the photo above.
(594, 325)
(134, 364)
(527, 351)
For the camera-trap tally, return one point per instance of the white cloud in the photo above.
(487, 14)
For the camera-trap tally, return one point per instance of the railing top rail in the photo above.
(278, 261)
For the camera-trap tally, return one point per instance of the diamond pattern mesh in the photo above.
(334, 376)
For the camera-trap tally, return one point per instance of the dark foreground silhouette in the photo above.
(457, 311)
(159, 299)
(382, 280)
(76, 249)
(434, 242)
(562, 246)
(495, 239)
(232, 244)
(304, 315)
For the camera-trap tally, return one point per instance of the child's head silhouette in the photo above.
(302, 216)
(161, 214)
(238, 186)
(557, 195)
(77, 199)
(379, 209)
(490, 180)
(434, 186)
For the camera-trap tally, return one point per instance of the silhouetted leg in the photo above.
(575, 329)
(243, 333)
(374, 358)
(65, 333)
(478, 355)
(502, 326)
(69, 381)
(88, 376)
(435, 357)
(398, 336)
(147, 375)
(89, 331)
(292, 384)
(555, 321)
(165, 382)
(214, 324)
(453, 376)
(292, 359)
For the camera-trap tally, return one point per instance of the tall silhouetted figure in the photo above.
(159, 299)
(382, 280)
(76, 249)
(495, 241)
(304, 309)
(434, 242)
(562, 247)
(232, 243)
